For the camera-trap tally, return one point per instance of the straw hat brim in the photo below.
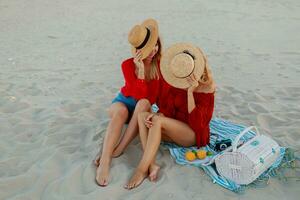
(199, 64)
(151, 24)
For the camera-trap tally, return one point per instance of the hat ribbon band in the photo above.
(188, 53)
(145, 40)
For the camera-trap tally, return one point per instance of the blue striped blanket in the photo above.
(220, 130)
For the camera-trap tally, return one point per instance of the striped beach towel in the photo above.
(220, 130)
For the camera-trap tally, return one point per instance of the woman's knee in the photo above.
(157, 120)
(142, 105)
(122, 112)
(118, 111)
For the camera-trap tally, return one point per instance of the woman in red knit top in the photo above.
(186, 104)
(141, 75)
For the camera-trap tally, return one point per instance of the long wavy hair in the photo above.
(154, 71)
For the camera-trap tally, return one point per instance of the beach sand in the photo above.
(60, 68)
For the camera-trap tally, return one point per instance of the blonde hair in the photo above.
(154, 71)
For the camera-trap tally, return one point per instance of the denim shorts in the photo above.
(129, 102)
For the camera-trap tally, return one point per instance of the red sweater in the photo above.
(172, 102)
(138, 88)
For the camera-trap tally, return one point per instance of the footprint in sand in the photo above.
(270, 121)
(11, 104)
(257, 108)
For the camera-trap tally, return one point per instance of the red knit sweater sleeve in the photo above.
(139, 86)
(200, 117)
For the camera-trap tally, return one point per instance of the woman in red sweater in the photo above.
(141, 75)
(186, 104)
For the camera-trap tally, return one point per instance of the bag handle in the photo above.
(246, 130)
(234, 145)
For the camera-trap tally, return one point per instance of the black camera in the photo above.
(222, 145)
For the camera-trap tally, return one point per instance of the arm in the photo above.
(191, 101)
(200, 113)
(190, 96)
(140, 65)
(199, 120)
(135, 81)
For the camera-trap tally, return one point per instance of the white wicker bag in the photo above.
(246, 163)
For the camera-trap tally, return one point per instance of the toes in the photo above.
(103, 182)
(152, 178)
(129, 186)
(102, 176)
(133, 186)
(136, 180)
(126, 186)
(154, 173)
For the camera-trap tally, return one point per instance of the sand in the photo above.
(60, 69)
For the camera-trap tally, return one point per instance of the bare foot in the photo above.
(102, 174)
(136, 179)
(153, 172)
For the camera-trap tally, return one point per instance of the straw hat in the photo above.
(144, 37)
(182, 60)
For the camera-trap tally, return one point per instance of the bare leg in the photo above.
(177, 131)
(143, 131)
(132, 129)
(141, 172)
(130, 132)
(119, 114)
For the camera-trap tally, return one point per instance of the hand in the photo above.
(138, 61)
(148, 120)
(193, 83)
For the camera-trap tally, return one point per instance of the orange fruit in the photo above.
(201, 154)
(190, 156)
